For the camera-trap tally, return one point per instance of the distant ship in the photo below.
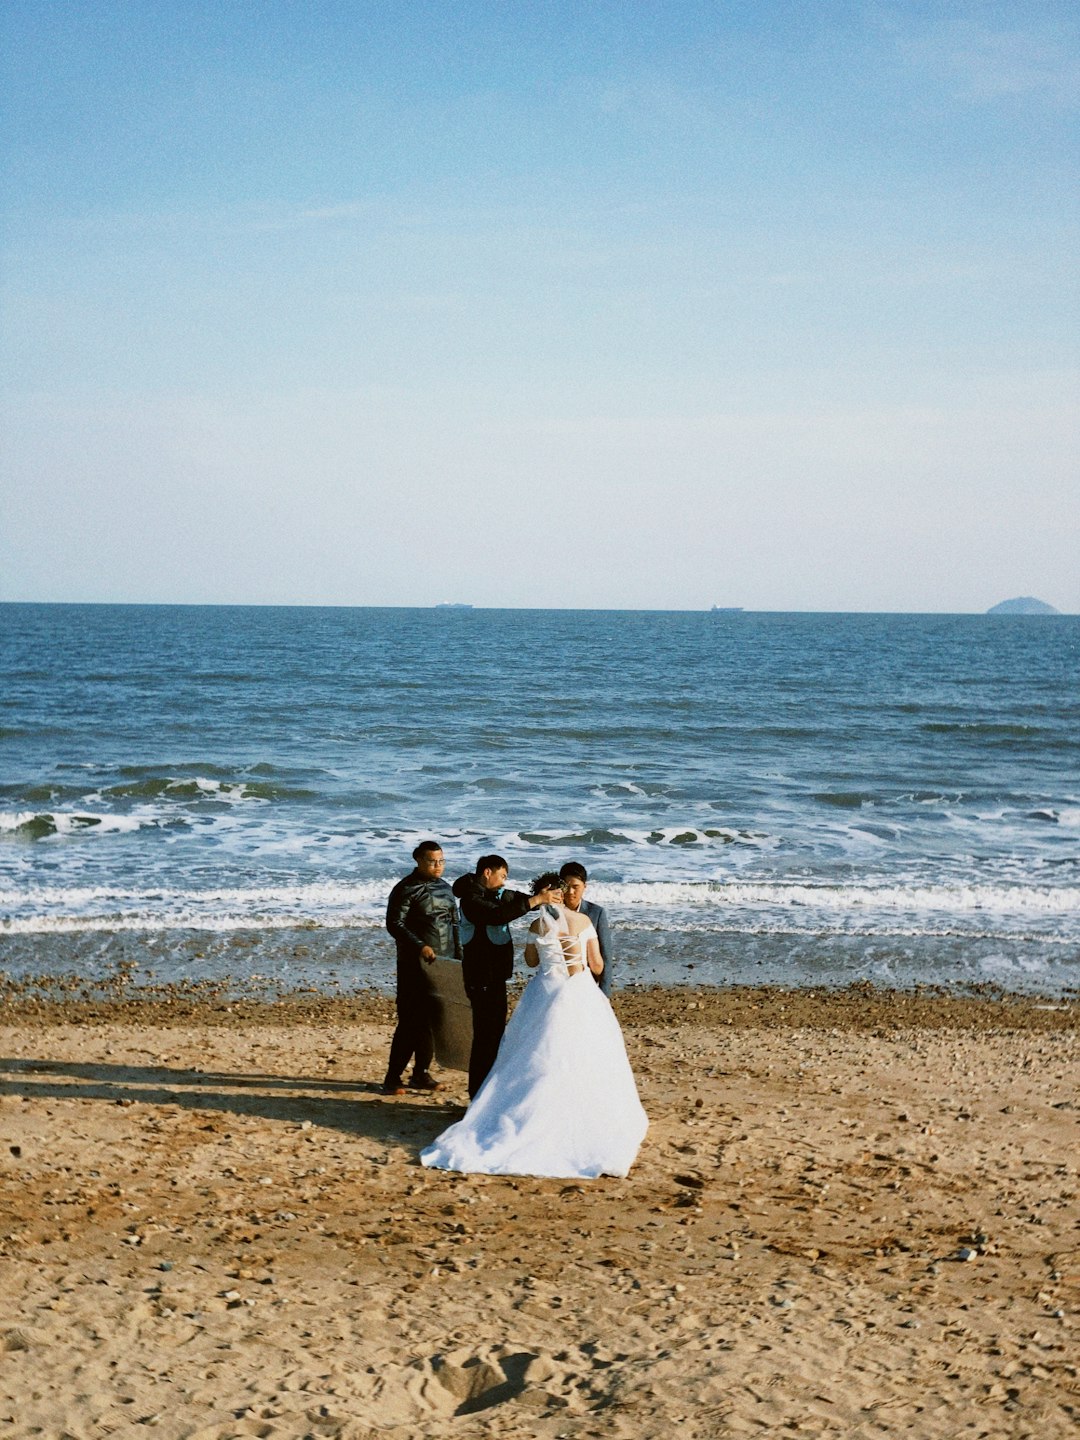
(726, 610)
(452, 605)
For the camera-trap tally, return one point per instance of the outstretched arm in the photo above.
(487, 908)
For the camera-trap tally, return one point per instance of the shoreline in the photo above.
(342, 960)
(860, 1006)
(854, 1216)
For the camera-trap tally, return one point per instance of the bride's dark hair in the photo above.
(550, 880)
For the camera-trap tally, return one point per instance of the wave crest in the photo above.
(43, 824)
(674, 905)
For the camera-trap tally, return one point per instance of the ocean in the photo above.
(227, 794)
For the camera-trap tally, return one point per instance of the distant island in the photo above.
(452, 605)
(1023, 605)
(726, 610)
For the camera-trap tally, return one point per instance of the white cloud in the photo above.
(986, 64)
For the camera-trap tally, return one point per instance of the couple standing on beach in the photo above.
(552, 1093)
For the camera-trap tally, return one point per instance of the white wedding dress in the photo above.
(560, 1099)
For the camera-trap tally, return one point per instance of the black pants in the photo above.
(412, 1037)
(488, 1001)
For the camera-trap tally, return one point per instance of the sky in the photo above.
(541, 303)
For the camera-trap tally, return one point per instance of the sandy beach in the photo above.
(855, 1214)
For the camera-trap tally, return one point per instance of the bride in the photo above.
(560, 1099)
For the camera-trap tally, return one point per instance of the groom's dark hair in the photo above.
(425, 848)
(572, 870)
(491, 862)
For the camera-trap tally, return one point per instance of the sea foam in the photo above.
(716, 905)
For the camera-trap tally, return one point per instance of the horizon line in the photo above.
(543, 609)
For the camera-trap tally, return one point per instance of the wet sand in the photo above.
(855, 1214)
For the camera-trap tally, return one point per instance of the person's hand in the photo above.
(427, 954)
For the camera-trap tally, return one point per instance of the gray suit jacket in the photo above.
(598, 915)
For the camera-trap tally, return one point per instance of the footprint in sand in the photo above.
(466, 1383)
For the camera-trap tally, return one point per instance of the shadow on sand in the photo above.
(354, 1107)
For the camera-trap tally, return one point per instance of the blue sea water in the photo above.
(802, 799)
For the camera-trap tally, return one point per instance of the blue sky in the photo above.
(541, 304)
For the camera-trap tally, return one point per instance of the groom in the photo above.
(487, 908)
(575, 878)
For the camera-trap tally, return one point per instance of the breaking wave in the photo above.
(922, 909)
(41, 824)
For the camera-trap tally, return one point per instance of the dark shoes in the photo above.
(421, 1080)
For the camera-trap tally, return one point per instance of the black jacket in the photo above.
(422, 912)
(484, 959)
